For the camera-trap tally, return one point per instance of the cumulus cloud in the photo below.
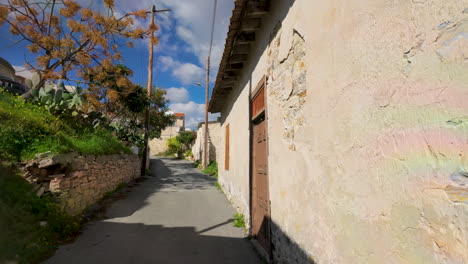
(194, 113)
(193, 26)
(186, 73)
(167, 63)
(177, 95)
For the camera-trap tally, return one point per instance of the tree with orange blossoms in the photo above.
(71, 42)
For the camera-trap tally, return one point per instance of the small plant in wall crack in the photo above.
(239, 220)
(218, 186)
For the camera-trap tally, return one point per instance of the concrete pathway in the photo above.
(175, 216)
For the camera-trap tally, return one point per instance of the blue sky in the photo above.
(179, 58)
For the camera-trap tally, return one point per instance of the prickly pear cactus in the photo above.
(57, 97)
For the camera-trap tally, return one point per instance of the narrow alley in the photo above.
(175, 216)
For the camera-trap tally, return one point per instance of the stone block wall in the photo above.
(80, 181)
(214, 142)
(157, 145)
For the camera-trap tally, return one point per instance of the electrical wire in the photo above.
(212, 26)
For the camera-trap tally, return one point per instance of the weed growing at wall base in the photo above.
(239, 220)
(212, 169)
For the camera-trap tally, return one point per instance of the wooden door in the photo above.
(260, 190)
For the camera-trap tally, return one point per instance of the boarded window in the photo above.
(226, 149)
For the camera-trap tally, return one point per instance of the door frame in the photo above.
(262, 84)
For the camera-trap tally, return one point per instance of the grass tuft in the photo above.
(239, 220)
(212, 169)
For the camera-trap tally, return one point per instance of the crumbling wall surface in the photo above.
(214, 142)
(235, 180)
(158, 145)
(368, 130)
(80, 181)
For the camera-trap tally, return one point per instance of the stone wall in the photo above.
(80, 181)
(214, 142)
(159, 145)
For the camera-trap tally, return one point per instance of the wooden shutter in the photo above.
(226, 149)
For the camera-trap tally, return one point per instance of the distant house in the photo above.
(9, 80)
(344, 128)
(158, 145)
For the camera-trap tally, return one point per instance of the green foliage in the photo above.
(186, 139)
(59, 99)
(137, 100)
(130, 131)
(196, 164)
(27, 129)
(239, 220)
(212, 169)
(218, 186)
(188, 154)
(179, 144)
(129, 127)
(173, 145)
(22, 238)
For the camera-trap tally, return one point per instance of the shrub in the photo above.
(186, 139)
(173, 146)
(188, 154)
(180, 144)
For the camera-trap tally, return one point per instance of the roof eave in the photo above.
(245, 22)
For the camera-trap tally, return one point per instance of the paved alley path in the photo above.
(176, 216)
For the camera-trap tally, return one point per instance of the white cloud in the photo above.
(188, 73)
(194, 113)
(167, 63)
(177, 95)
(193, 19)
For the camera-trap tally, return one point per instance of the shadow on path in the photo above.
(174, 216)
(107, 242)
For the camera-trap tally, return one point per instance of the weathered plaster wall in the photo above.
(368, 152)
(235, 181)
(80, 181)
(214, 142)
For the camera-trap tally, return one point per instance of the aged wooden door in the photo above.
(260, 190)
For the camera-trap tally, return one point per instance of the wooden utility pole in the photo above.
(149, 87)
(205, 140)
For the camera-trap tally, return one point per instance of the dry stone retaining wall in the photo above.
(80, 181)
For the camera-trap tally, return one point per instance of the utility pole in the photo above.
(149, 87)
(205, 140)
(207, 89)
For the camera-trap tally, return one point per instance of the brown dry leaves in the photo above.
(71, 8)
(3, 14)
(109, 3)
(140, 13)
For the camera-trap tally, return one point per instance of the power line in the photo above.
(212, 26)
